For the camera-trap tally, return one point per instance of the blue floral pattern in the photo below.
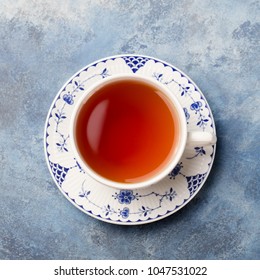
(176, 171)
(187, 115)
(124, 213)
(186, 90)
(125, 197)
(128, 206)
(196, 106)
(68, 98)
(198, 151)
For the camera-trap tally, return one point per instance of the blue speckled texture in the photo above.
(43, 43)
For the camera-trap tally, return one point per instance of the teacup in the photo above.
(129, 131)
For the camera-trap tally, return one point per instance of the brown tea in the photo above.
(126, 131)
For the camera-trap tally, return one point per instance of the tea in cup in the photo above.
(129, 131)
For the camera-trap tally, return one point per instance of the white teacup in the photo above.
(184, 138)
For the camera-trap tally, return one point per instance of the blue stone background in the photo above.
(43, 43)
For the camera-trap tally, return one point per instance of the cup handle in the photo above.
(200, 138)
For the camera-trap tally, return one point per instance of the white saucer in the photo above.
(128, 207)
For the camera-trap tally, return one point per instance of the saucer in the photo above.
(128, 207)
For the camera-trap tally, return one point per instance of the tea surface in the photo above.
(126, 132)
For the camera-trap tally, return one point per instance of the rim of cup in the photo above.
(176, 154)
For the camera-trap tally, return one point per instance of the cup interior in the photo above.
(172, 157)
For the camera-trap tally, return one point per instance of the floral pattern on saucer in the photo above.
(127, 206)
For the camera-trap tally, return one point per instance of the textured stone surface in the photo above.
(43, 43)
